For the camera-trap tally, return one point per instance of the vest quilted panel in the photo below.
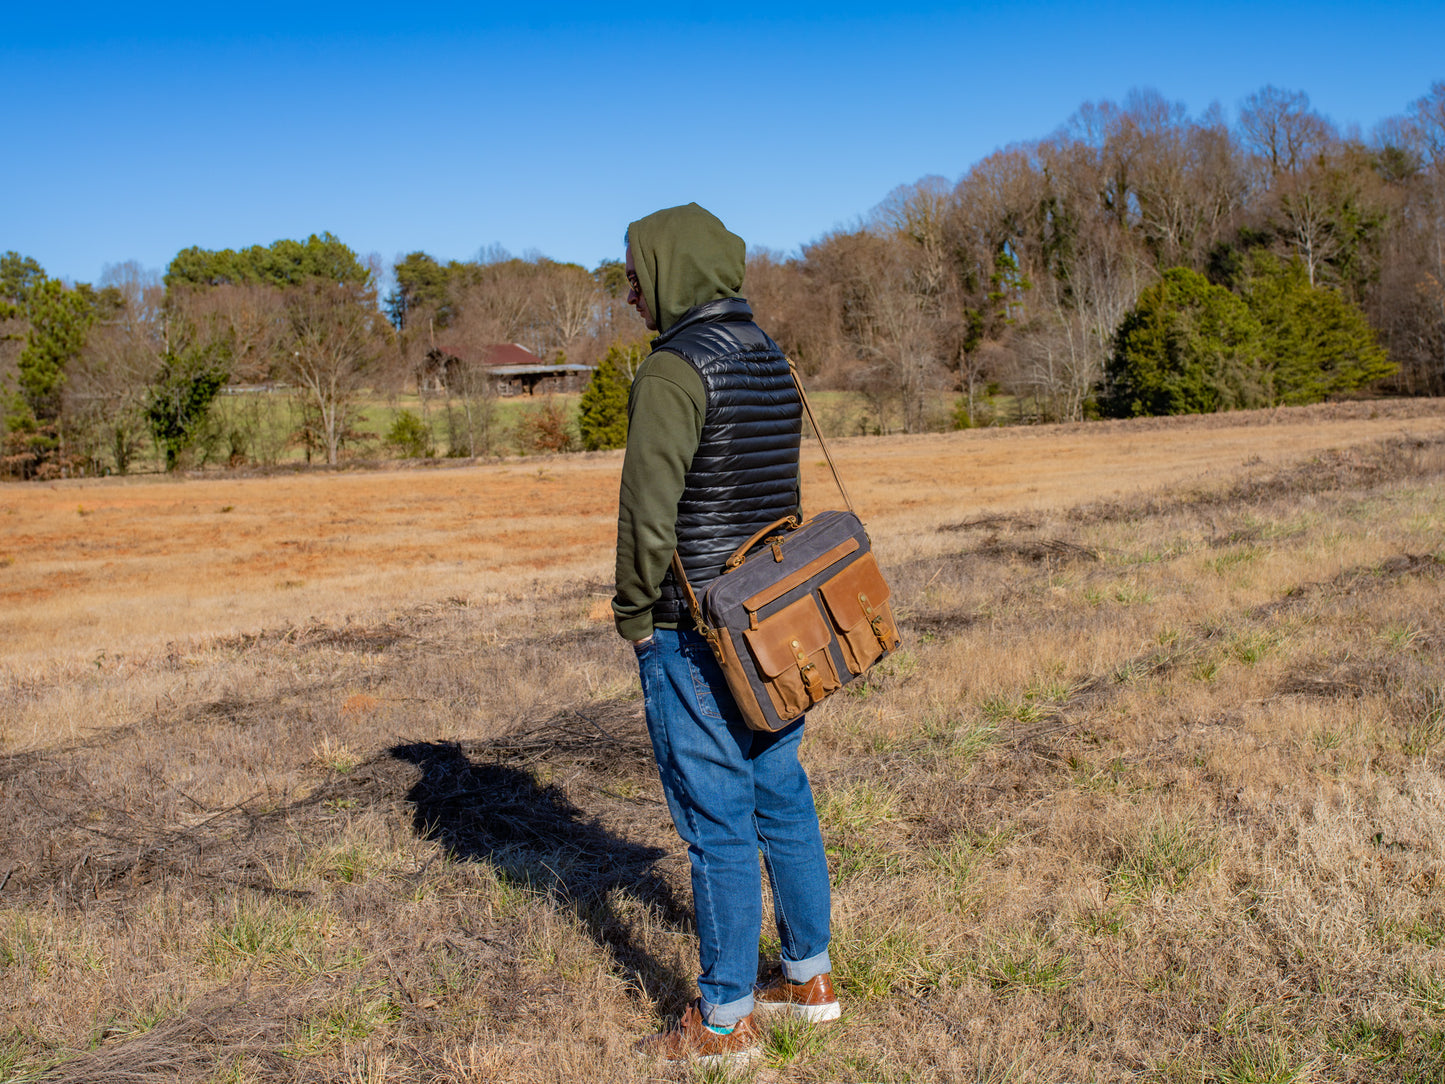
(744, 474)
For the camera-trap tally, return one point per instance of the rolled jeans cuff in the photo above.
(807, 969)
(725, 1016)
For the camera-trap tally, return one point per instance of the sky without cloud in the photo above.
(453, 127)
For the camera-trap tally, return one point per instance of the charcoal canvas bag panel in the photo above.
(800, 610)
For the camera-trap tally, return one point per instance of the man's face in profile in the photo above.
(634, 294)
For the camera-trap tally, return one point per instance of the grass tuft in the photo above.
(871, 960)
(856, 807)
(1426, 728)
(792, 1040)
(253, 933)
(1163, 856)
(1263, 1061)
(1027, 963)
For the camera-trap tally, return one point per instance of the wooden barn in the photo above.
(510, 367)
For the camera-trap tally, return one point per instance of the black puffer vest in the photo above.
(744, 474)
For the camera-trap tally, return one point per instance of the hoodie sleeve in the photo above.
(665, 412)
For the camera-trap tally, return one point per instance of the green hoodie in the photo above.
(683, 257)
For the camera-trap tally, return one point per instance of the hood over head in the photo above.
(684, 257)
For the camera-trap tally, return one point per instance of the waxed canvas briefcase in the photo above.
(800, 610)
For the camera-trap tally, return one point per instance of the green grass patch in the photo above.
(26, 948)
(257, 932)
(1102, 921)
(1418, 931)
(1414, 1058)
(1425, 990)
(1399, 637)
(960, 741)
(856, 807)
(1205, 670)
(1250, 648)
(1026, 964)
(1236, 559)
(1132, 594)
(1164, 855)
(1260, 1061)
(1426, 728)
(1024, 709)
(363, 1013)
(871, 960)
(21, 1059)
(792, 1040)
(863, 860)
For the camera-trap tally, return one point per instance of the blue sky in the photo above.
(450, 127)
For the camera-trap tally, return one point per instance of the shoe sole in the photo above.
(813, 1014)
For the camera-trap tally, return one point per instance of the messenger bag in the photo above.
(799, 610)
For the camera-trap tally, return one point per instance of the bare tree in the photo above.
(1427, 116)
(1279, 127)
(108, 383)
(333, 341)
(569, 297)
(476, 395)
(256, 318)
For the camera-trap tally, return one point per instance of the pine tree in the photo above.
(1316, 343)
(59, 320)
(603, 408)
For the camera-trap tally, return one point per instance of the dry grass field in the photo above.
(342, 776)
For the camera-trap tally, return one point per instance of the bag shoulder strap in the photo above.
(818, 432)
(691, 595)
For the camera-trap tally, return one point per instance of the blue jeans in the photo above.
(733, 792)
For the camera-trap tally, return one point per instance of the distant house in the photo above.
(511, 367)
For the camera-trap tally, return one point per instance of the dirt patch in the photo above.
(1055, 550)
(993, 523)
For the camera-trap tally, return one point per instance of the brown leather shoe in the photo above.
(813, 1001)
(693, 1040)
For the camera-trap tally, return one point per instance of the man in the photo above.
(714, 425)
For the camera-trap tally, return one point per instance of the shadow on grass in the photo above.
(534, 836)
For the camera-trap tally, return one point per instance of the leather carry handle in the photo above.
(681, 574)
(788, 522)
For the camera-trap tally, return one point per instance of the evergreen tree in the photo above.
(283, 263)
(179, 404)
(1316, 344)
(59, 320)
(19, 276)
(1187, 347)
(420, 281)
(603, 408)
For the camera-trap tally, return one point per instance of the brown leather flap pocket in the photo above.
(845, 593)
(796, 629)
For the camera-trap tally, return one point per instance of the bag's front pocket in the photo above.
(857, 602)
(791, 652)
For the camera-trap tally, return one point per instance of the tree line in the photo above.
(1281, 260)
(1137, 260)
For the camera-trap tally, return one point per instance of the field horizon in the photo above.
(342, 775)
